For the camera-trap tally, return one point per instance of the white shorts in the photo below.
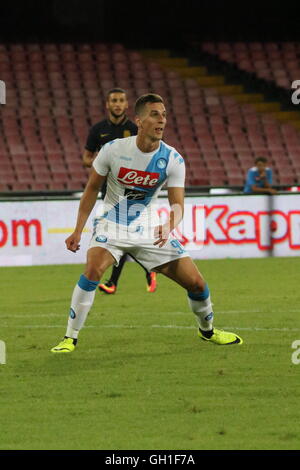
(119, 240)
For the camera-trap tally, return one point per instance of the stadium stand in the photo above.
(56, 91)
(273, 61)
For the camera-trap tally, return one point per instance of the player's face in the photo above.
(117, 104)
(153, 121)
(261, 166)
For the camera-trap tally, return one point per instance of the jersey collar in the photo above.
(110, 123)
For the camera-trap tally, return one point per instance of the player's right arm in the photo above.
(86, 205)
(88, 158)
(93, 143)
(265, 190)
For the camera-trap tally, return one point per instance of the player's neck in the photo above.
(146, 145)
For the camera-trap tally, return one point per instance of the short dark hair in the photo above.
(114, 90)
(144, 99)
(261, 159)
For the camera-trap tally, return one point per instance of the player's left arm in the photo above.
(269, 178)
(269, 182)
(176, 201)
(175, 181)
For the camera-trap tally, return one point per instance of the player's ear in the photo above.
(138, 121)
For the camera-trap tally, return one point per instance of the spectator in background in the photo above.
(259, 178)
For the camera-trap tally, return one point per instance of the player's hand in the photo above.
(263, 175)
(272, 191)
(161, 232)
(72, 242)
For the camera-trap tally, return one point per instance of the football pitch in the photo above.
(140, 377)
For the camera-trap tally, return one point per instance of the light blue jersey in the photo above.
(254, 178)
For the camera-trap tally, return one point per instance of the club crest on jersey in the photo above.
(143, 179)
(101, 239)
(161, 163)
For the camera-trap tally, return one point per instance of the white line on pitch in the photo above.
(179, 327)
(217, 312)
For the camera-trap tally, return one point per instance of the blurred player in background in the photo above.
(116, 126)
(259, 178)
(130, 222)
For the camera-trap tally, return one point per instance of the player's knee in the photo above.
(197, 285)
(93, 272)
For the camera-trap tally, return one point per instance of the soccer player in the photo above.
(136, 168)
(116, 126)
(259, 178)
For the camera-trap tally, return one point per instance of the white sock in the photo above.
(203, 311)
(81, 303)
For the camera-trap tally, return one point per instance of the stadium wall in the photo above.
(32, 232)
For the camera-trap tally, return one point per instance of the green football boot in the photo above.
(67, 345)
(221, 337)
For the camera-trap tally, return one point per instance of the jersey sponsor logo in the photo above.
(133, 194)
(142, 179)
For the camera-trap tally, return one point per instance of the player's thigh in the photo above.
(184, 272)
(98, 260)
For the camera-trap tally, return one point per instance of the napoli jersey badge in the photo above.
(161, 163)
(101, 239)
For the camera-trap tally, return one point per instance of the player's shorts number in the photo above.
(176, 244)
(95, 223)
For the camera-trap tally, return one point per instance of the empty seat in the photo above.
(19, 186)
(56, 186)
(59, 90)
(267, 60)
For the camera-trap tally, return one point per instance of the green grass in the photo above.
(140, 377)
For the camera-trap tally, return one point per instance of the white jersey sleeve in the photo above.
(102, 161)
(176, 171)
